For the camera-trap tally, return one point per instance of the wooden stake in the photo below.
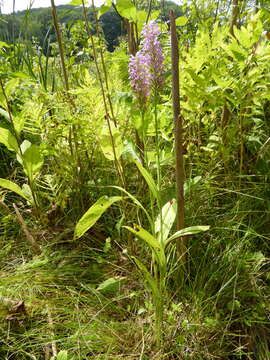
(178, 136)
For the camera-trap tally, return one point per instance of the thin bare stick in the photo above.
(235, 15)
(29, 236)
(60, 44)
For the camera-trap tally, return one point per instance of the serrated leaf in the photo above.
(93, 214)
(9, 185)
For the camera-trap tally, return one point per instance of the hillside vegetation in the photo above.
(134, 183)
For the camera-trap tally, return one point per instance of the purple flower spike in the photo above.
(152, 47)
(146, 68)
(139, 75)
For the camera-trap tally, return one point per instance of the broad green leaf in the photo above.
(169, 211)
(3, 44)
(93, 214)
(123, 5)
(130, 151)
(181, 21)
(129, 13)
(11, 86)
(141, 17)
(188, 231)
(32, 159)
(104, 7)
(110, 284)
(9, 185)
(148, 178)
(148, 277)
(20, 75)
(19, 121)
(8, 140)
(151, 241)
(106, 144)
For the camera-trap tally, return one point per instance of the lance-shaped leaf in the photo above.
(188, 231)
(136, 201)
(148, 277)
(93, 214)
(168, 212)
(152, 242)
(9, 185)
(32, 159)
(148, 178)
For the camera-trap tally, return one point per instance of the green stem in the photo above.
(158, 163)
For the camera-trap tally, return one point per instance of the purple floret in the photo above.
(146, 68)
(139, 75)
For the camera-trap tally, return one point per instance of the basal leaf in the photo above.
(148, 277)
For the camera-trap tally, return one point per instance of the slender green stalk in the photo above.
(158, 161)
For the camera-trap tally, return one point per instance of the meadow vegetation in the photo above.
(134, 216)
